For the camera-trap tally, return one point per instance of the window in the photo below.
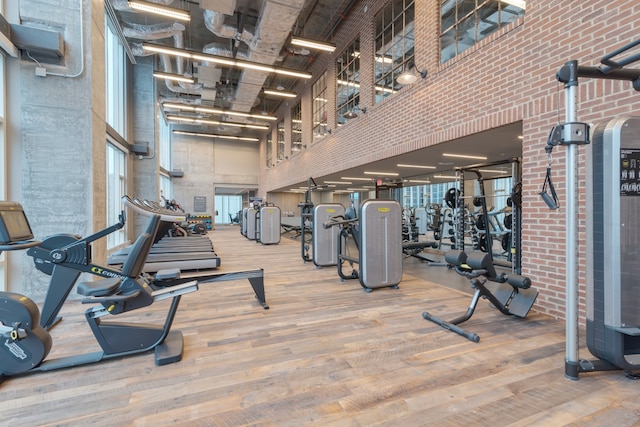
(116, 189)
(466, 22)
(3, 175)
(116, 99)
(394, 51)
(348, 82)
(116, 72)
(320, 113)
(166, 187)
(296, 128)
(280, 134)
(165, 145)
(227, 208)
(269, 151)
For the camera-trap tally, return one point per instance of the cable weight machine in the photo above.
(613, 232)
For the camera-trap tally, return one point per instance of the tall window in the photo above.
(116, 85)
(165, 145)
(116, 72)
(393, 45)
(3, 175)
(320, 113)
(348, 83)
(465, 22)
(280, 133)
(116, 188)
(296, 128)
(269, 153)
(166, 188)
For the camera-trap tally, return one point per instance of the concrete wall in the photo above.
(207, 164)
(507, 77)
(56, 132)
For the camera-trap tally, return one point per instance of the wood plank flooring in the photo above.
(325, 353)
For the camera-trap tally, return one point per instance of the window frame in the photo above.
(393, 46)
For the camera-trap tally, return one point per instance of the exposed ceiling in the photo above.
(253, 30)
(259, 31)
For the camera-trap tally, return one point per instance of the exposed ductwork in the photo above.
(273, 29)
(214, 21)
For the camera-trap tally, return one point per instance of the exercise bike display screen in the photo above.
(14, 226)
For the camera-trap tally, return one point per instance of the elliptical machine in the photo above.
(25, 344)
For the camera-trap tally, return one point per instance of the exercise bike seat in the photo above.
(99, 288)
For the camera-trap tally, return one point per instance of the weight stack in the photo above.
(613, 242)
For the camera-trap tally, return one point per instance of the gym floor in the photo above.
(325, 353)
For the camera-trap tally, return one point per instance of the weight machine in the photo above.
(613, 231)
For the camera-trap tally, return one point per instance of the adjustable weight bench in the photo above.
(514, 296)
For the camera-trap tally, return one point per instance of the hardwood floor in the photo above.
(325, 353)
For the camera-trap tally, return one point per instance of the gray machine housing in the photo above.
(268, 225)
(613, 288)
(325, 240)
(380, 252)
(251, 224)
(243, 222)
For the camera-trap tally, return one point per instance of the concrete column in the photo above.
(56, 132)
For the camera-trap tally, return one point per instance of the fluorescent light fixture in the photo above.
(198, 109)
(445, 176)
(221, 60)
(355, 179)
(282, 93)
(420, 181)
(492, 170)
(172, 77)
(382, 173)
(400, 165)
(338, 182)
(158, 9)
(213, 135)
(197, 120)
(313, 44)
(464, 156)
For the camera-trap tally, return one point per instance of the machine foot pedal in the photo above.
(522, 302)
(170, 351)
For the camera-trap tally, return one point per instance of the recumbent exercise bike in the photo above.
(25, 344)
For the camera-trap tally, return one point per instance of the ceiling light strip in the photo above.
(313, 44)
(401, 165)
(213, 135)
(224, 61)
(158, 9)
(282, 93)
(172, 77)
(464, 156)
(382, 173)
(199, 109)
(197, 120)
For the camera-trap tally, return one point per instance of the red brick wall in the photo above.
(505, 78)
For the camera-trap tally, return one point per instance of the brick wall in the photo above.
(507, 77)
